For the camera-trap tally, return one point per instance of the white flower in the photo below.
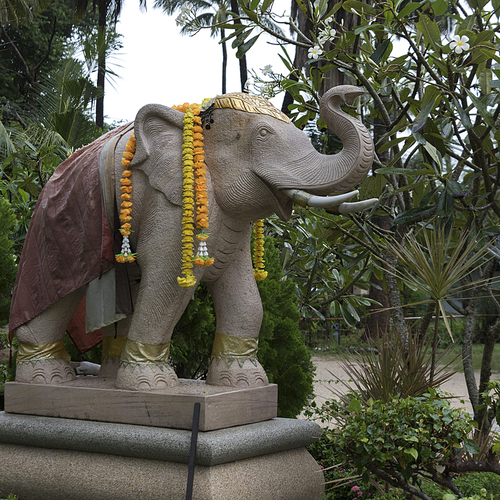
(267, 69)
(459, 44)
(326, 35)
(248, 84)
(314, 52)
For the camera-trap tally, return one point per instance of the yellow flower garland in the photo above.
(126, 206)
(258, 251)
(193, 160)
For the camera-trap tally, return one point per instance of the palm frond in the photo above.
(437, 264)
(6, 144)
(67, 97)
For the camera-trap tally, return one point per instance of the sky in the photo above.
(158, 65)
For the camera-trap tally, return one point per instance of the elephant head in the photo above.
(257, 159)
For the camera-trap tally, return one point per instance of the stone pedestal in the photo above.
(61, 459)
(95, 398)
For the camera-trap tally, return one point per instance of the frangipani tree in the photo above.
(432, 79)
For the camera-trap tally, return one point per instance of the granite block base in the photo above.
(45, 458)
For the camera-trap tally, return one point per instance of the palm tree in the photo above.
(211, 14)
(243, 60)
(108, 13)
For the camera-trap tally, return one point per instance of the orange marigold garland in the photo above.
(193, 161)
(126, 254)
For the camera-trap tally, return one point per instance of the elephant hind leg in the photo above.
(42, 357)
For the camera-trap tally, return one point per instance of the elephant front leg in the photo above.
(238, 311)
(144, 361)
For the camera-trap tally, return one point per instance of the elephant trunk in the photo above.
(331, 174)
(345, 170)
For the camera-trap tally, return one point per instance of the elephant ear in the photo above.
(158, 132)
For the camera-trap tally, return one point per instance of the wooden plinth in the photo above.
(93, 398)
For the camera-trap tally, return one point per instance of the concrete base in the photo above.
(62, 459)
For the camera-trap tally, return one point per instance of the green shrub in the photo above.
(282, 351)
(403, 437)
(193, 336)
(7, 262)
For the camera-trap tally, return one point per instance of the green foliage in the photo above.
(485, 485)
(282, 352)
(435, 263)
(22, 176)
(398, 370)
(65, 108)
(323, 268)
(8, 265)
(403, 437)
(389, 421)
(191, 344)
(41, 44)
(340, 479)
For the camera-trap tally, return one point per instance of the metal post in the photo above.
(192, 452)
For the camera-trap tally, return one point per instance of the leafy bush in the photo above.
(282, 352)
(405, 443)
(403, 437)
(7, 263)
(193, 335)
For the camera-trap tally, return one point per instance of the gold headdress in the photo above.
(250, 104)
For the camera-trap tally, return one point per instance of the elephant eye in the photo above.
(264, 133)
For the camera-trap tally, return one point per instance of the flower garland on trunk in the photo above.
(258, 251)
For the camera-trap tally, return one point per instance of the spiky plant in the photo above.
(440, 264)
(392, 368)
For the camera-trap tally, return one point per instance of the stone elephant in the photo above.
(258, 163)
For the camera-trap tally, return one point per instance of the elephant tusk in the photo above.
(358, 206)
(305, 199)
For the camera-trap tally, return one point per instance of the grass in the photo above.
(477, 353)
(334, 351)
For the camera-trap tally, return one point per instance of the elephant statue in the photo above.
(257, 163)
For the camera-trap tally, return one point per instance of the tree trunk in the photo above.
(378, 318)
(224, 61)
(398, 318)
(243, 60)
(101, 62)
(490, 338)
(377, 323)
(470, 379)
(243, 72)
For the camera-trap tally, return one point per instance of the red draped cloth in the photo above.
(69, 241)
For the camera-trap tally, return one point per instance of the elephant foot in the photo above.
(44, 371)
(145, 376)
(237, 373)
(109, 368)
(112, 349)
